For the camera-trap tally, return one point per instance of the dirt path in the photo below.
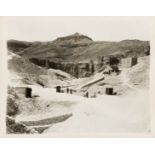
(125, 80)
(92, 82)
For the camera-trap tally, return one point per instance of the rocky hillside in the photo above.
(78, 48)
(22, 71)
(75, 54)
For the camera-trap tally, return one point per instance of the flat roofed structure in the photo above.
(25, 91)
(128, 62)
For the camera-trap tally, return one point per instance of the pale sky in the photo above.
(98, 28)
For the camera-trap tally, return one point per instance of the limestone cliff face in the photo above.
(77, 70)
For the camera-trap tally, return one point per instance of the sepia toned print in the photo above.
(74, 83)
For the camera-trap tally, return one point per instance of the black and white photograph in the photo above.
(78, 75)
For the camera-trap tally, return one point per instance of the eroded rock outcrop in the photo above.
(75, 69)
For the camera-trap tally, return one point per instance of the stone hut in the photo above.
(24, 91)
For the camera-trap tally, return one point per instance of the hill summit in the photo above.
(73, 39)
